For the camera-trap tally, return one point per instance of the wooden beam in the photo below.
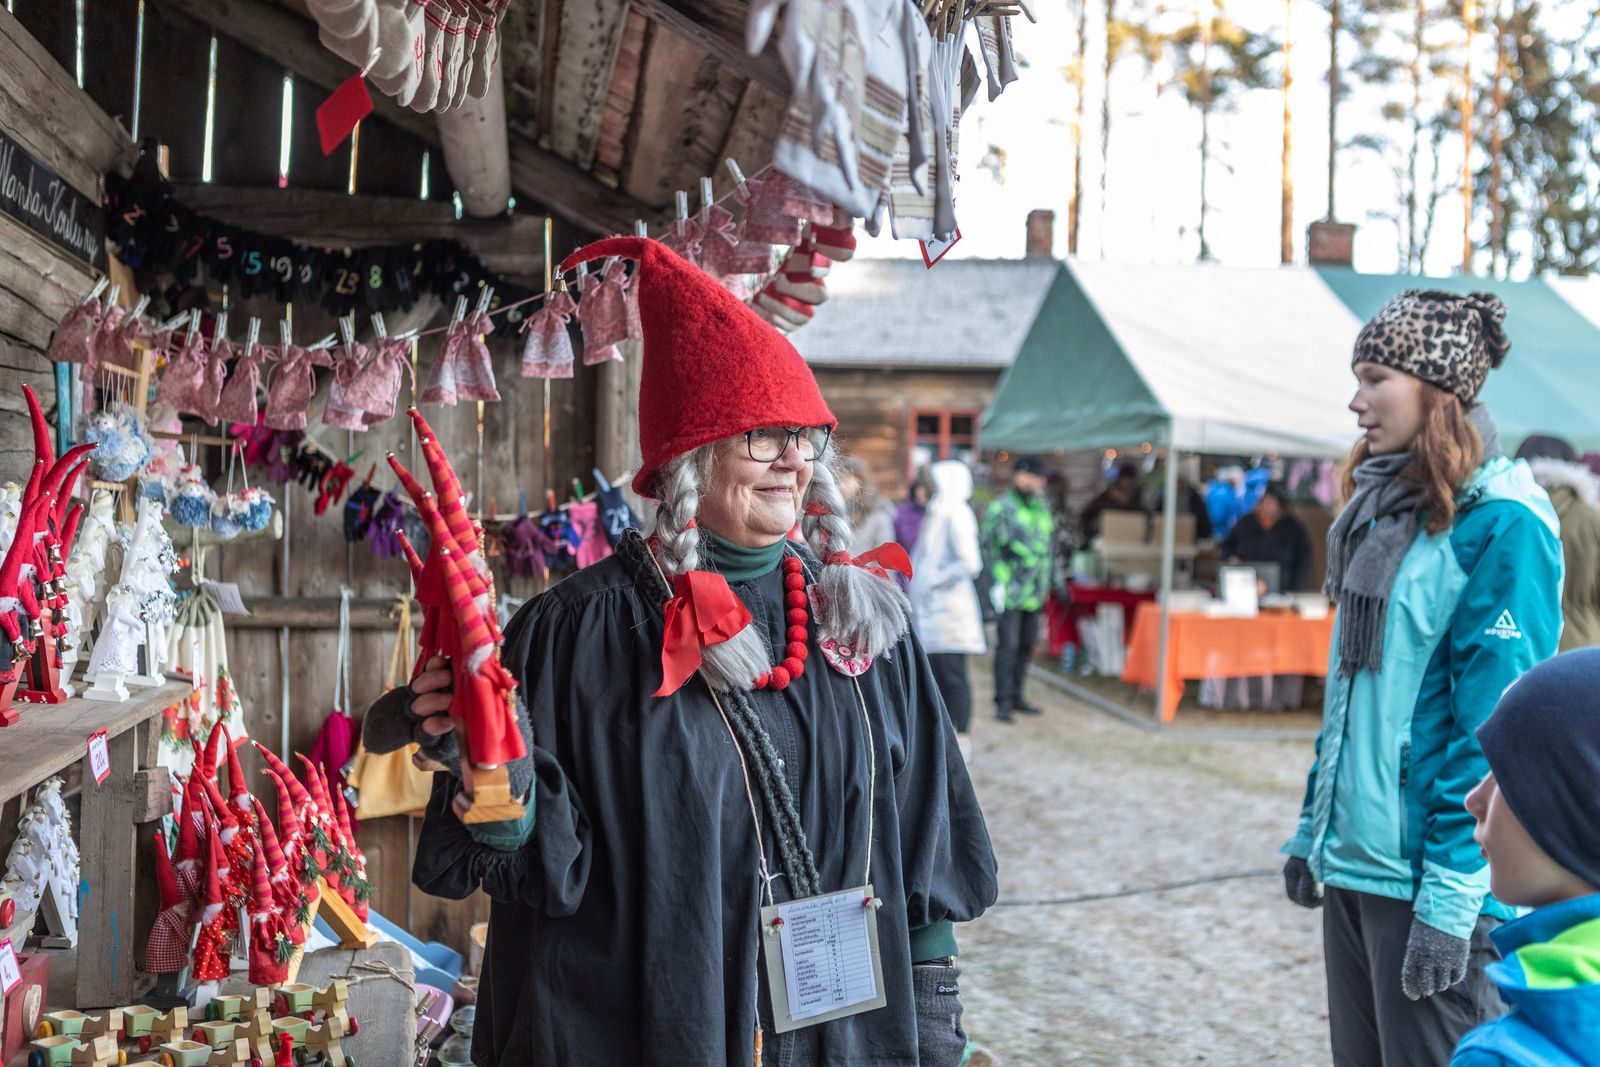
(509, 245)
(591, 34)
(42, 107)
(280, 35)
(717, 27)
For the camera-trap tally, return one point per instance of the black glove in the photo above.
(390, 725)
(1434, 962)
(1300, 883)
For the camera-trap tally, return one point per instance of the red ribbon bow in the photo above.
(703, 612)
(889, 556)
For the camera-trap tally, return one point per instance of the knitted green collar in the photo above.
(739, 564)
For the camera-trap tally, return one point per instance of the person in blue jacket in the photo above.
(1446, 569)
(1538, 813)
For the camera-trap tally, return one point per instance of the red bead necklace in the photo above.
(796, 612)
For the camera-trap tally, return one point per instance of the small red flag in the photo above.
(338, 115)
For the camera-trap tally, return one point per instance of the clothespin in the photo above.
(252, 335)
(600, 480)
(138, 309)
(485, 298)
(378, 326)
(708, 195)
(409, 335)
(460, 312)
(219, 328)
(583, 272)
(683, 206)
(99, 287)
(640, 229)
(175, 323)
(577, 490)
(114, 294)
(738, 178)
(285, 333)
(326, 342)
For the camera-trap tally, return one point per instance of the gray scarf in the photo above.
(1367, 542)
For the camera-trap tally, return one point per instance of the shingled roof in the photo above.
(964, 313)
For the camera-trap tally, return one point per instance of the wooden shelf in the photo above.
(51, 737)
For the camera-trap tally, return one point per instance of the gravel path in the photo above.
(1141, 918)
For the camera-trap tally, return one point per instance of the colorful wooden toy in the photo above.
(292, 998)
(229, 1006)
(62, 1050)
(78, 1024)
(214, 1034)
(323, 1041)
(149, 1027)
(257, 1030)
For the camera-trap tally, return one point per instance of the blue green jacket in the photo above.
(1550, 978)
(1471, 609)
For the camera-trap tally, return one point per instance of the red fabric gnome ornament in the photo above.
(167, 949)
(272, 936)
(211, 945)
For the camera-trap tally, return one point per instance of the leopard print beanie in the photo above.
(1448, 339)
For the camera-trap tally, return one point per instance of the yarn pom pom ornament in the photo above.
(191, 505)
(257, 508)
(548, 351)
(123, 445)
(226, 513)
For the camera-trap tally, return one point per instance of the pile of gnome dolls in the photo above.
(238, 876)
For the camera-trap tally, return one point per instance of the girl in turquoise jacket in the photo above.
(1446, 568)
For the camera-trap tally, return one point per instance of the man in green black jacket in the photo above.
(1016, 549)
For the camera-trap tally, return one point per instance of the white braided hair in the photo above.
(850, 605)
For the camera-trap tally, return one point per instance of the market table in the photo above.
(1062, 619)
(1203, 646)
(48, 739)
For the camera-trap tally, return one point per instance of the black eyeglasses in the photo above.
(766, 444)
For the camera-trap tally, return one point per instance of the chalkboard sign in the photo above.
(37, 197)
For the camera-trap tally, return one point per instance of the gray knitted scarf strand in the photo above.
(1367, 542)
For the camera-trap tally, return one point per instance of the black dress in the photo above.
(625, 931)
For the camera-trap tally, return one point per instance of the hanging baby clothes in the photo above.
(293, 385)
(616, 517)
(994, 40)
(340, 412)
(944, 72)
(238, 400)
(548, 350)
(586, 520)
(526, 546)
(376, 387)
(184, 379)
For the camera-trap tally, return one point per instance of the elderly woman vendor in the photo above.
(721, 721)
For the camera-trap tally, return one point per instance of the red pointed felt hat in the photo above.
(713, 368)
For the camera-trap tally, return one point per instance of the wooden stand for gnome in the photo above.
(347, 927)
(485, 791)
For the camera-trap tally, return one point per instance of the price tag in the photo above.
(99, 757)
(10, 972)
(822, 958)
(933, 251)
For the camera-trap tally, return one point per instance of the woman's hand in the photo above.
(418, 712)
(430, 699)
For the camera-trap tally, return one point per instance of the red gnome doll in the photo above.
(167, 949)
(211, 945)
(273, 938)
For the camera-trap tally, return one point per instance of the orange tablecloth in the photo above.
(1204, 647)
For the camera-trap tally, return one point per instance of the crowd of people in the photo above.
(763, 703)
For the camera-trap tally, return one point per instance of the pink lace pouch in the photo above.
(182, 382)
(475, 363)
(548, 350)
(376, 387)
(604, 316)
(723, 252)
(340, 411)
(778, 204)
(238, 400)
(441, 387)
(76, 333)
(208, 396)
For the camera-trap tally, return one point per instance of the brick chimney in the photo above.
(1330, 244)
(1041, 227)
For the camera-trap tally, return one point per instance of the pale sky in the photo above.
(1153, 192)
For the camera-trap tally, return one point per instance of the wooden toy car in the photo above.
(78, 1024)
(198, 1054)
(322, 1045)
(62, 1050)
(238, 1007)
(214, 1034)
(150, 1027)
(292, 998)
(295, 1027)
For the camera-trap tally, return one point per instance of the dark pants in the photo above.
(950, 675)
(1372, 1021)
(1019, 632)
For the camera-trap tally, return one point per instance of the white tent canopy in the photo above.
(1222, 360)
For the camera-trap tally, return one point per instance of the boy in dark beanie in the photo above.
(1538, 813)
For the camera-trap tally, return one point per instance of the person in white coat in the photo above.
(944, 596)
